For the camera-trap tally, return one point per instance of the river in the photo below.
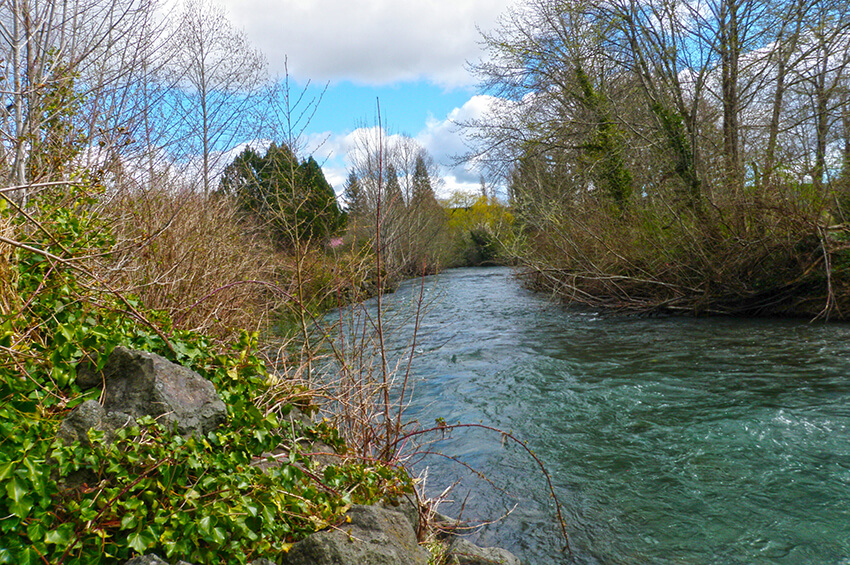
(668, 440)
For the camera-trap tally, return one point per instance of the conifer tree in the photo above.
(355, 196)
(296, 200)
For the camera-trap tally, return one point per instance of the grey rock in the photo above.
(150, 559)
(262, 561)
(375, 536)
(407, 505)
(90, 414)
(462, 552)
(87, 376)
(138, 383)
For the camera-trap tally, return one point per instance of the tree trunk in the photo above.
(821, 124)
(729, 58)
(785, 48)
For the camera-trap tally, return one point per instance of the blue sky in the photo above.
(406, 107)
(409, 54)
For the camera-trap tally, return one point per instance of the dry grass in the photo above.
(194, 258)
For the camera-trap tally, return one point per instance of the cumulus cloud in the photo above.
(440, 137)
(444, 141)
(373, 42)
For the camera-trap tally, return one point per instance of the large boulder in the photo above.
(374, 536)
(138, 383)
(88, 415)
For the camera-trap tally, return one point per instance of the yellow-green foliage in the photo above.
(481, 228)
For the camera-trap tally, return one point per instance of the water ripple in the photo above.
(680, 441)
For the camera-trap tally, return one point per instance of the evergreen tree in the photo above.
(393, 198)
(241, 178)
(295, 200)
(423, 192)
(355, 196)
(316, 209)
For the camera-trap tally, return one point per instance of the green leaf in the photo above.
(6, 470)
(206, 524)
(16, 488)
(219, 535)
(61, 536)
(128, 522)
(141, 541)
(21, 508)
(35, 531)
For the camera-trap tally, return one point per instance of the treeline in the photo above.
(393, 208)
(669, 155)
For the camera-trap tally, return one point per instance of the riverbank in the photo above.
(770, 264)
(144, 392)
(148, 486)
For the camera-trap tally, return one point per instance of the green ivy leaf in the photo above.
(129, 522)
(61, 536)
(219, 535)
(21, 508)
(36, 531)
(141, 541)
(206, 524)
(16, 488)
(6, 470)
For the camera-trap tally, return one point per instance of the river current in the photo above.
(668, 440)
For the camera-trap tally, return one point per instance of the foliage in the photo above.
(649, 170)
(294, 199)
(481, 229)
(603, 152)
(60, 137)
(201, 499)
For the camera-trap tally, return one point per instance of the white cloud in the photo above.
(445, 142)
(441, 138)
(372, 42)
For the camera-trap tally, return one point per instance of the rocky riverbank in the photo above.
(137, 385)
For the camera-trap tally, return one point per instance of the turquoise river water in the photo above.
(668, 440)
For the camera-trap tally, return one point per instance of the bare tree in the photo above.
(67, 68)
(220, 76)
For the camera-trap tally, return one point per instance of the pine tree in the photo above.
(423, 192)
(393, 199)
(355, 196)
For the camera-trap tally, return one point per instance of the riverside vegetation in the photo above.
(152, 489)
(676, 157)
(109, 236)
(125, 221)
(115, 230)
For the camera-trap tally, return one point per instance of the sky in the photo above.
(408, 55)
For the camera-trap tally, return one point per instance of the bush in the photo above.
(200, 499)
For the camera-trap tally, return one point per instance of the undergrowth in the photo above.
(199, 499)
